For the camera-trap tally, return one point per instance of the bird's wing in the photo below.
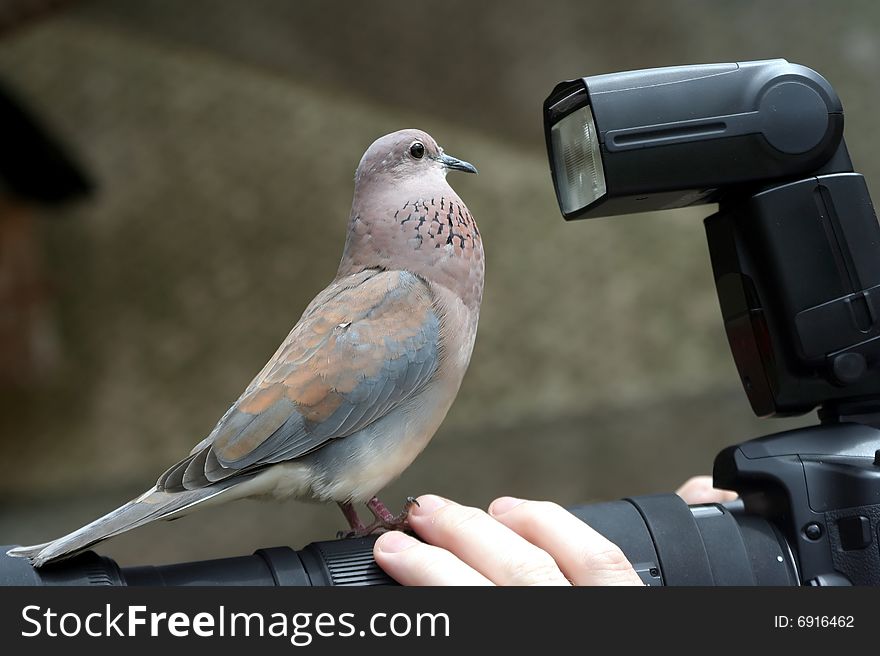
(363, 346)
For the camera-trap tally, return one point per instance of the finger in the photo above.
(699, 490)
(411, 562)
(584, 556)
(492, 549)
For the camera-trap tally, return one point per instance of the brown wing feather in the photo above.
(365, 344)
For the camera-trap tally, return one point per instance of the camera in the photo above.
(795, 252)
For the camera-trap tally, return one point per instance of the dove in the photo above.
(365, 377)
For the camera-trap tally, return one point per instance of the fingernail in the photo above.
(395, 542)
(503, 505)
(428, 504)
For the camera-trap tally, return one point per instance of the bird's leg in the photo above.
(388, 521)
(351, 516)
(380, 510)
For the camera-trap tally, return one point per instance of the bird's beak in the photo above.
(451, 162)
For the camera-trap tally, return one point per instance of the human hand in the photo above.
(516, 543)
(699, 490)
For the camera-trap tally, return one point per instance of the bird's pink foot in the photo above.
(385, 520)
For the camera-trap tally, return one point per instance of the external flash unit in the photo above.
(795, 245)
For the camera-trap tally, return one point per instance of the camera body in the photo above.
(820, 486)
(807, 515)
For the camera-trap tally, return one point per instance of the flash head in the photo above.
(673, 137)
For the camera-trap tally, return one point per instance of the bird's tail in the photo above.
(152, 505)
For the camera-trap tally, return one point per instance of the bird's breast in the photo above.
(436, 238)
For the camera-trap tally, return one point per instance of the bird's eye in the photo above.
(417, 150)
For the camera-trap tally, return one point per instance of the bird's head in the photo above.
(406, 155)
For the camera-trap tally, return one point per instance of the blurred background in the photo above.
(175, 187)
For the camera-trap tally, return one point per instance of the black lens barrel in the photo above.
(671, 543)
(667, 542)
(335, 562)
